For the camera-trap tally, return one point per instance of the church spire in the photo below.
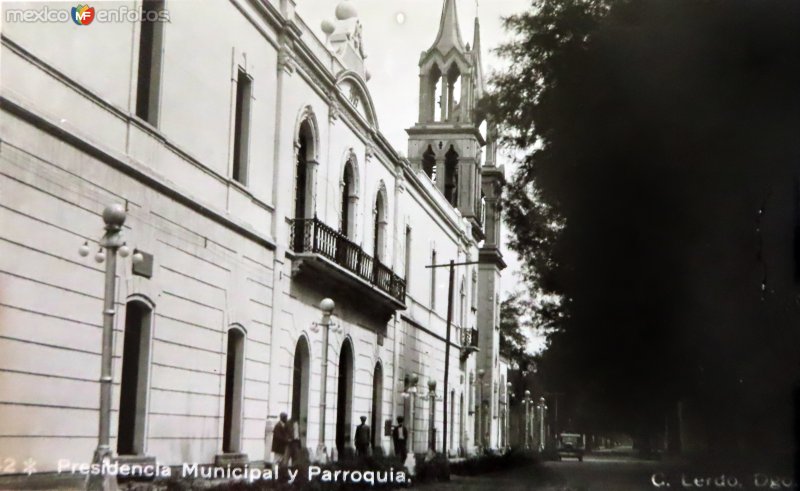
(449, 35)
(476, 39)
(446, 141)
(476, 54)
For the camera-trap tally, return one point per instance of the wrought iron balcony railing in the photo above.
(311, 235)
(469, 338)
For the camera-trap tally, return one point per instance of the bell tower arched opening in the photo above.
(454, 95)
(451, 176)
(429, 163)
(435, 102)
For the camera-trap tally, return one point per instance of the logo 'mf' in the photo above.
(83, 15)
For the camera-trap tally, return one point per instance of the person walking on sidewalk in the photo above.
(400, 439)
(363, 434)
(280, 440)
(295, 449)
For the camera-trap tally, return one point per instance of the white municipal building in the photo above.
(256, 182)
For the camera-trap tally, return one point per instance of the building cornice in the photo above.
(424, 129)
(121, 114)
(415, 181)
(492, 256)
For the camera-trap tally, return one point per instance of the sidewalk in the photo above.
(44, 480)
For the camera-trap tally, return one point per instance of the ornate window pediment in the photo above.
(353, 89)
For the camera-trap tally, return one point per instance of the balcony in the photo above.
(341, 259)
(469, 342)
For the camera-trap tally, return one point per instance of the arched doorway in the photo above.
(462, 423)
(133, 383)
(377, 404)
(344, 400)
(300, 376)
(305, 155)
(452, 429)
(303, 188)
(234, 382)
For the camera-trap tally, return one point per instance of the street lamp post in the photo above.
(410, 382)
(112, 241)
(509, 394)
(527, 401)
(326, 305)
(542, 408)
(431, 425)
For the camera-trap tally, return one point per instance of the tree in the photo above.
(513, 326)
(655, 195)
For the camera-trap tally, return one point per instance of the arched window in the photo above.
(462, 423)
(133, 384)
(483, 208)
(349, 198)
(234, 389)
(462, 311)
(379, 232)
(408, 257)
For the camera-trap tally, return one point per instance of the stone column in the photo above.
(425, 99)
(440, 170)
(443, 100)
(466, 185)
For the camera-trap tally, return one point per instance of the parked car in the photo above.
(570, 445)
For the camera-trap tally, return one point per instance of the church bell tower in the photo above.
(446, 142)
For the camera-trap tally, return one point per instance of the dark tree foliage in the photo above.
(657, 193)
(513, 323)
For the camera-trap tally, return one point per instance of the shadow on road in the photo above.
(622, 470)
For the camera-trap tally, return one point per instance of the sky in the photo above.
(395, 33)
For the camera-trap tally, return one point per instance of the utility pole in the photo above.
(452, 264)
(447, 355)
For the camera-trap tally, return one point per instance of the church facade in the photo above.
(248, 156)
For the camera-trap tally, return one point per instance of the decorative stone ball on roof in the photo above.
(345, 10)
(327, 27)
